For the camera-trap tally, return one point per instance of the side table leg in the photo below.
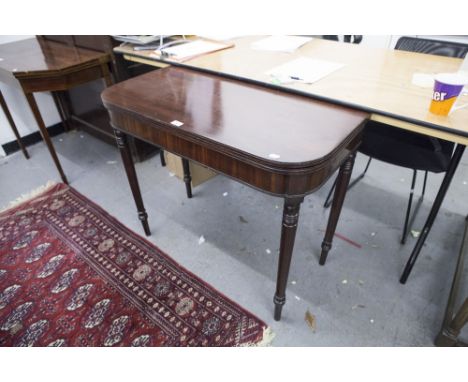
(106, 74)
(45, 134)
(187, 177)
(340, 193)
(13, 125)
(161, 157)
(61, 111)
(127, 159)
(288, 235)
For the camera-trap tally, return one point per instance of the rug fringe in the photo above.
(267, 338)
(28, 196)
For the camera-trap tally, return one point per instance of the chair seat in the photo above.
(404, 148)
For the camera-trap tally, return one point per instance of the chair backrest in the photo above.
(436, 47)
(352, 38)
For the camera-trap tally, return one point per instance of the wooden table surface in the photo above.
(375, 80)
(247, 119)
(31, 57)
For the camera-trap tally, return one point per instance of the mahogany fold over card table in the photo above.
(282, 144)
(38, 65)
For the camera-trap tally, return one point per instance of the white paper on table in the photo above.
(423, 80)
(280, 43)
(193, 48)
(220, 36)
(306, 70)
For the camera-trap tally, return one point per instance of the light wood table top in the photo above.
(378, 81)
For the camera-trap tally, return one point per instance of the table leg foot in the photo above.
(279, 302)
(127, 160)
(342, 183)
(143, 216)
(445, 339)
(288, 236)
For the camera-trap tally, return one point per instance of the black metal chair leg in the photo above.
(424, 185)
(408, 209)
(187, 177)
(328, 200)
(409, 222)
(434, 210)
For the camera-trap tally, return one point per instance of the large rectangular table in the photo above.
(377, 81)
(282, 144)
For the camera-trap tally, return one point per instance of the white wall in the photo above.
(19, 107)
(380, 41)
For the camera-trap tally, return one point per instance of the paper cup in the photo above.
(447, 87)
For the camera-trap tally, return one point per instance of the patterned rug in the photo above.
(71, 275)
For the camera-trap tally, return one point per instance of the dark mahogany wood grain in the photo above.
(36, 57)
(233, 127)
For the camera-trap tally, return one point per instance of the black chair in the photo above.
(352, 38)
(404, 148)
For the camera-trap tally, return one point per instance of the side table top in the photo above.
(275, 128)
(34, 57)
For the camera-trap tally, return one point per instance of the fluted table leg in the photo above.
(187, 177)
(288, 235)
(338, 199)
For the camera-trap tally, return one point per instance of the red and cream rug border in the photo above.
(268, 334)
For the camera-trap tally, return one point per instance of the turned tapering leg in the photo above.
(45, 134)
(288, 235)
(338, 198)
(187, 177)
(13, 125)
(127, 159)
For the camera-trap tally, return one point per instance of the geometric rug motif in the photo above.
(72, 275)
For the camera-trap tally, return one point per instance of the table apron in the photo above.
(275, 181)
(63, 81)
